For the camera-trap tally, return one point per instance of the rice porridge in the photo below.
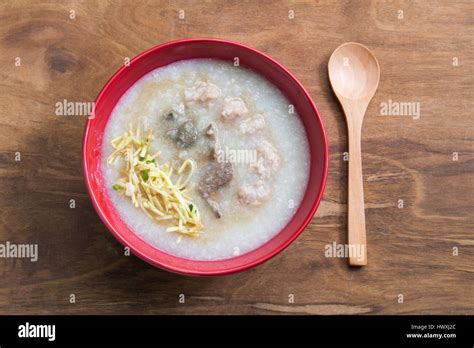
(203, 160)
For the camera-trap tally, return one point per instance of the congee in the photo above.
(205, 160)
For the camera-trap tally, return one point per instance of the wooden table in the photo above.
(418, 173)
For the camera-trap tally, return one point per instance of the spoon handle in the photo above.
(356, 213)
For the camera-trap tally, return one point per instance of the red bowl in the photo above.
(165, 54)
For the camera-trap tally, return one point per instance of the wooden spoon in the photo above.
(354, 74)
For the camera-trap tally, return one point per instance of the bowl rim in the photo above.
(186, 271)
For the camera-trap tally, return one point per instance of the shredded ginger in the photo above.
(152, 187)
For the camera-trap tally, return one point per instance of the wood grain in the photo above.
(411, 248)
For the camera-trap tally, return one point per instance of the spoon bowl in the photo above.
(354, 72)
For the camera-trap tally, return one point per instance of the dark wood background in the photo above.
(410, 249)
